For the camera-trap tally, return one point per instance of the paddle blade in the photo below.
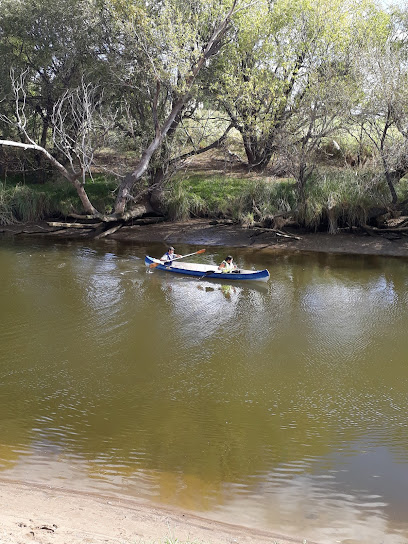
(153, 265)
(200, 251)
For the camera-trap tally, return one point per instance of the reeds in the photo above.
(337, 199)
(25, 203)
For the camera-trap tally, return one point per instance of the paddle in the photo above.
(224, 274)
(208, 273)
(153, 265)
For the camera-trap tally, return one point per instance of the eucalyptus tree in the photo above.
(265, 73)
(166, 46)
(382, 68)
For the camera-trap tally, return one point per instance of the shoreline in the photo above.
(204, 232)
(54, 515)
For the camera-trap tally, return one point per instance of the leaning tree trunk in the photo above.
(390, 181)
(211, 48)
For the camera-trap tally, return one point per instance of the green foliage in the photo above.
(224, 196)
(262, 198)
(215, 192)
(280, 63)
(287, 75)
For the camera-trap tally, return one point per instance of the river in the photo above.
(281, 406)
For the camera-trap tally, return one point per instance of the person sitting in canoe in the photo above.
(227, 265)
(169, 256)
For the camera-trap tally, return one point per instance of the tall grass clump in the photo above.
(22, 203)
(29, 205)
(216, 191)
(34, 202)
(340, 199)
(262, 198)
(180, 203)
(6, 214)
(222, 196)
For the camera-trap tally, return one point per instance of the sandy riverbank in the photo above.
(49, 515)
(202, 232)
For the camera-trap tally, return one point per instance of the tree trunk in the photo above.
(209, 50)
(258, 151)
(390, 181)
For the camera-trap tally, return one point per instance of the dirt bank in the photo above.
(202, 232)
(56, 516)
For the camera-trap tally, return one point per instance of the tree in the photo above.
(54, 44)
(163, 48)
(382, 111)
(264, 75)
(175, 41)
(328, 100)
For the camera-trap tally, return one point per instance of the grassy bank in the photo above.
(32, 202)
(333, 198)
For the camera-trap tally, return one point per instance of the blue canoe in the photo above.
(205, 271)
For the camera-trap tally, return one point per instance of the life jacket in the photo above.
(228, 267)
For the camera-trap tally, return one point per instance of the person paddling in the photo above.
(227, 265)
(169, 256)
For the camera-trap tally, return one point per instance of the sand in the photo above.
(47, 515)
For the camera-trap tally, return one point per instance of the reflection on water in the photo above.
(279, 405)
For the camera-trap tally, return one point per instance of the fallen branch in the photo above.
(146, 221)
(74, 225)
(379, 231)
(262, 230)
(108, 232)
(286, 235)
(82, 217)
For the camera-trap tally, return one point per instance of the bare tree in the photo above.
(75, 132)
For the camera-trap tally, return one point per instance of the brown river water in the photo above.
(282, 406)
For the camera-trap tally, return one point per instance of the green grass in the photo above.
(33, 202)
(225, 196)
(334, 197)
(213, 192)
(340, 198)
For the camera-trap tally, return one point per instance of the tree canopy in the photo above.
(78, 74)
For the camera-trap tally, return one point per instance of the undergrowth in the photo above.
(33, 202)
(333, 198)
